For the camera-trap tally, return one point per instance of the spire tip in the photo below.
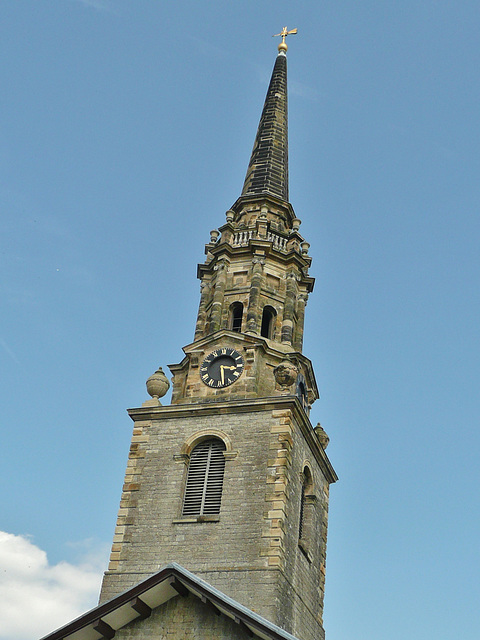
(282, 47)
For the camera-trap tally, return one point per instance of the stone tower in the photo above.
(231, 480)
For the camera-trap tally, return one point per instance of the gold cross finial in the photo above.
(284, 33)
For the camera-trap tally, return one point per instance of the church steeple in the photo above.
(231, 480)
(255, 280)
(267, 171)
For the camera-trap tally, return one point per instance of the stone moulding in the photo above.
(249, 405)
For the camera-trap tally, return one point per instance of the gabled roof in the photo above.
(138, 602)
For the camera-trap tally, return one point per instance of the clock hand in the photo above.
(222, 367)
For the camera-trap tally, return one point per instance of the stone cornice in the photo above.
(248, 405)
(284, 206)
(226, 249)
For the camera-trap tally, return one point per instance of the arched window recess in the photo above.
(268, 322)
(236, 317)
(307, 513)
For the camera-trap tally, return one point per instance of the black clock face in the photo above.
(221, 368)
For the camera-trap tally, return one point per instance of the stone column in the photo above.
(202, 310)
(253, 310)
(218, 296)
(289, 308)
(301, 304)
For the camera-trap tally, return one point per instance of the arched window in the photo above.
(307, 501)
(203, 491)
(268, 322)
(236, 316)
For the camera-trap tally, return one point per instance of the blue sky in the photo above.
(125, 133)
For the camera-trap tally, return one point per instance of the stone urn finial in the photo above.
(157, 387)
(305, 246)
(321, 436)
(285, 375)
(214, 233)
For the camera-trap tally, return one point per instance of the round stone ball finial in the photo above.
(158, 385)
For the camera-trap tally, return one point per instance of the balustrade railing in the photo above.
(242, 238)
(278, 242)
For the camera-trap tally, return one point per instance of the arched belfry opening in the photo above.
(236, 317)
(268, 322)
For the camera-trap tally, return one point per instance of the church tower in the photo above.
(230, 480)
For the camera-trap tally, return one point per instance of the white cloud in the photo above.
(37, 597)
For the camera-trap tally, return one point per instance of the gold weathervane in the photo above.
(284, 33)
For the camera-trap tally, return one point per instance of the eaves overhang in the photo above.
(139, 601)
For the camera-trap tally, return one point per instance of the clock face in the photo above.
(221, 368)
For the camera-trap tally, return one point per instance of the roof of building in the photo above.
(139, 601)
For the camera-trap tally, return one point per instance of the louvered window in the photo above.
(203, 493)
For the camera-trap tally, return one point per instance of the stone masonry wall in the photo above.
(303, 588)
(251, 551)
(183, 619)
(150, 531)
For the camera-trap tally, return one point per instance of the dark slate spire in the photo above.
(267, 171)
